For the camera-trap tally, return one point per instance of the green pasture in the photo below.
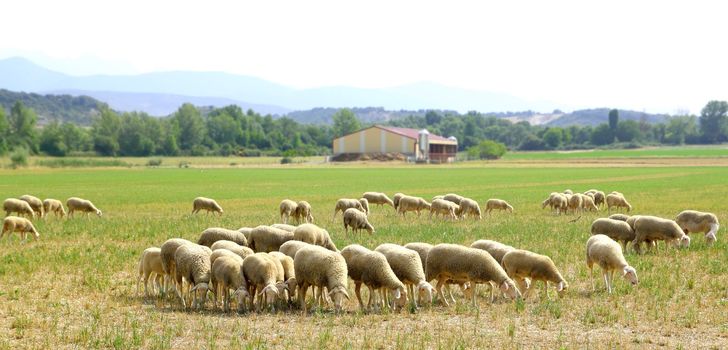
(654, 152)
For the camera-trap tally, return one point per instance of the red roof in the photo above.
(412, 133)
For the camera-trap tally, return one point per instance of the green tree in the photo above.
(138, 135)
(714, 121)
(679, 128)
(51, 140)
(189, 126)
(628, 131)
(21, 127)
(487, 149)
(105, 131)
(613, 120)
(345, 122)
(75, 138)
(3, 132)
(553, 137)
(602, 135)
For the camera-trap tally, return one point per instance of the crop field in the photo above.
(76, 286)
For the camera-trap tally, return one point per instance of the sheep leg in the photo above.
(371, 296)
(302, 295)
(357, 290)
(546, 289)
(472, 294)
(605, 274)
(178, 288)
(440, 284)
(146, 283)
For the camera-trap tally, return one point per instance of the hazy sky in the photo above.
(660, 56)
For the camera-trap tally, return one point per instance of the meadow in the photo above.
(76, 286)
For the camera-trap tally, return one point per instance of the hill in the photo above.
(51, 107)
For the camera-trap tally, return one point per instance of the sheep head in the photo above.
(241, 294)
(710, 238)
(426, 291)
(508, 287)
(400, 296)
(270, 291)
(683, 242)
(561, 288)
(630, 274)
(337, 295)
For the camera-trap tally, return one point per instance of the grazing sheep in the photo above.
(446, 208)
(575, 201)
(246, 232)
(214, 234)
(54, 206)
(408, 268)
(452, 197)
(227, 274)
(207, 204)
(35, 203)
(652, 228)
(696, 221)
(18, 224)
(364, 204)
(150, 264)
(193, 265)
(287, 209)
(239, 250)
(378, 198)
(169, 248)
(357, 220)
(608, 255)
(468, 207)
(319, 267)
(82, 205)
(617, 230)
(267, 239)
(497, 204)
(568, 191)
(220, 252)
(261, 273)
(289, 273)
(287, 227)
(395, 200)
(561, 203)
(520, 264)
(496, 249)
(409, 203)
(12, 205)
(455, 262)
(620, 217)
(423, 249)
(599, 198)
(372, 269)
(303, 212)
(313, 234)
(617, 200)
(290, 248)
(587, 203)
(346, 203)
(549, 201)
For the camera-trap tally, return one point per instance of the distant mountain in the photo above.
(48, 108)
(598, 116)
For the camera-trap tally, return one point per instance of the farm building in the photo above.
(418, 144)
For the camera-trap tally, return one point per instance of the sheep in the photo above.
(289, 273)
(267, 239)
(409, 203)
(439, 196)
(696, 221)
(290, 248)
(608, 255)
(346, 203)
(35, 203)
(422, 250)
(455, 262)
(82, 205)
(261, 273)
(12, 205)
(364, 204)
(441, 206)
(214, 234)
(226, 274)
(150, 263)
(246, 232)
(407, 266)
(357, 220)
(587, 203)
(239, 250)
(561, 203)
(468, 207)
(617, 200)
(599, 198)
(319, 267)
(220, 252)
(620, 217)
(18, 224)
(378, 198)
(496, 249)
(452, 197)
(575, 201)
(617, 230)
(372, 269)
(497, 204)
(207, 204)
(395, 200)
(303, 212)
(193, 265)
(169, 248)
(568, 191)
(287, 227)
(54, 206)
(549, 201)
(313, 234)
(520, 264)
(287, 209)
(652, 228)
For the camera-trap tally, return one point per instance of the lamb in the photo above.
(652, 228)
(261, 273)
(12, 205)
(21, 225)
(620, 217)
(441, 206)
(497, 204)
(239, 250)
(227, 273)
(372, 269)
(35, 203)
(608, 255)
(207, 204)
(303, 212)
(452, 197)
(617, 200)
(575, 201)
(364, 204)
(520, 264)
(82, 205)
(455, 262)
(267, 239)
(287, 227)
(468, 207)
(357, 220)
(408, 203)
(423, 249)
(319, 267)
(378, 198)
(395, 200)
(150, 264)
(496, 249)
(696, 221)
(214, 234)
(287, 209)
(408, 268)
(193, 264)
(289, 273)
(346, 203)
(290, 248)
(54, 206)
(313, 234)
(168, 249)
(617, 230)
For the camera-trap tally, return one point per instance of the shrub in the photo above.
(19, 158)
(154, 162)
(487, 149)
(286, 160)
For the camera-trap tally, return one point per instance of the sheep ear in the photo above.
(397, 294)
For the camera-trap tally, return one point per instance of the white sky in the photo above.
(656, 56)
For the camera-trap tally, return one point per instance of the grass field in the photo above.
(76, 286)
(651, 152)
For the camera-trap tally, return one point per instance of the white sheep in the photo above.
(455, 262)
(607, 253)
(246, 232)
(407, 266)
(696, 221)
(239, 250)
(207, 204)
(599, 196)
(446, 208)
(378, 198)
(21, 225)
(395, 200)
(496, 249)
(652, 228)
(227, 274)
(548, 201)
(150, 264)
(313, 234)
(617, 200)
(286, 227)
(54, 206)
(520, 264)
(290, 248)
(214, 234)
(423, 249)
(568, 191)
(619, 216)
(319, 267)
(289, 273)
(575, 201)
(364, 204)
(287, 209)
(497, 204)
(261, 273)
(560, 202)
(372, 269)
(587, 203)
(168, 249)
(357, 220)
(409, 203)
(452, 197)
(12, 205)
(82, 205)
(193, 265)
(468, 207)
(617, 230)
(35, 203)
(303, 212)
(267, 239)
(346, 203)
(224, 252)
